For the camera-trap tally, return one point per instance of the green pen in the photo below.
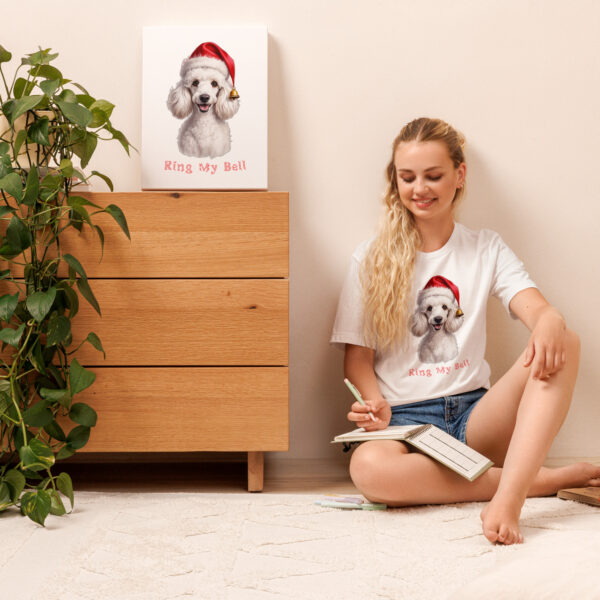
(357, 395)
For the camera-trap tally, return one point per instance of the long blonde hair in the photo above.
(388, 269)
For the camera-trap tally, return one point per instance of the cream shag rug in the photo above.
(124, 546)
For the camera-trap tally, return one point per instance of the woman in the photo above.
(411, 318)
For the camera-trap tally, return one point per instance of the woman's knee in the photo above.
(370, 459)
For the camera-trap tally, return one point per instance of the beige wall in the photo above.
(521, 78)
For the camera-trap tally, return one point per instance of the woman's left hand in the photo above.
(546, 351)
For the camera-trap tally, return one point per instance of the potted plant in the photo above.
(47, 122)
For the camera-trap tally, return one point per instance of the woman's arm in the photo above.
(358, 368)
(546, 349)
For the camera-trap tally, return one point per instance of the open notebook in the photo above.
(430, 440)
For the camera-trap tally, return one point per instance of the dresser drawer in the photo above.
(188, 409)
(159, 322)
(187, 235)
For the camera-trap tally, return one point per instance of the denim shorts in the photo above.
(449, 413)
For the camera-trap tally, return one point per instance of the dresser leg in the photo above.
(255, 471)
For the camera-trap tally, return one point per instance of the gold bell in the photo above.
(233, 95)
(459, 312)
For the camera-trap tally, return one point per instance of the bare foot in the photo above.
(579, 474)
(500, 520)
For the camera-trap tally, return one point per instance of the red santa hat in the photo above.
(441, 286)
(210, 55)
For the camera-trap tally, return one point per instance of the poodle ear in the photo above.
(180, 101)
(225, 107)
(453, 323)
(418, 324)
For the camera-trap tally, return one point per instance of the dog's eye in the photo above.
(195, 83)
(429, 308)
(444, 307)
(214, 84)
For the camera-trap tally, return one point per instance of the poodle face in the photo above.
(203, 85)
(202, 95)
(435, 318)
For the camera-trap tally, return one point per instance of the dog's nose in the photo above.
(204, 98)
(438, 320)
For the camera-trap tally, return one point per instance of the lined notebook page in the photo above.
(458, 456)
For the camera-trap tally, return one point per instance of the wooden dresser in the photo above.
(194, 324)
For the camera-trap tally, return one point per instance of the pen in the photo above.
(357, 395)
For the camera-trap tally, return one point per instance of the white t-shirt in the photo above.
(444, 351)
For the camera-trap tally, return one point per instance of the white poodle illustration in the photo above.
(437, 317)
(205, 95)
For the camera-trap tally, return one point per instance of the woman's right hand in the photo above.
(381, 411)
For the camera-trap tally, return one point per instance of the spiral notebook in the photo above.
(430, 440)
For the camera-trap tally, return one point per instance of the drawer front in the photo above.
(188, 409)
(186, 322)
(187, 235)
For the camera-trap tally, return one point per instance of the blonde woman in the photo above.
(411, 318)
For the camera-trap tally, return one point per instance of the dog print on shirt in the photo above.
(436, 318)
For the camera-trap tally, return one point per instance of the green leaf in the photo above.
(71, 297)
(12, 336)
(86, 100)
(65, 452)
(38, 132)
(8, 304)
(101, 237)
(12, 184)
(98, 118)
(39, 304)
(49, 86)
(83, 414)
(4, 147)
(75, 264)
(75, 113)
(36, 455)
(47, 72)
(56, 507)
(108, 182)
(65, 485)
(59, 328)
(5, 55)
(5, 499)
(86, 292)
(5, 402)
(85, 148)
(68, 96)
(32, 187)
(19, 139)
(117, 214)
(36, 505)
(37, 358)
(56, 431)
(104, 105)
(42, 57)
(39, 415)
(17, 235)
(23, 87)
(78, 437)
(80, 378)
(22, 105)
(62, 396)
(94, 340)
(16, 483)
(66, 167)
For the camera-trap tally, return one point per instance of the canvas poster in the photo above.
(204, 108)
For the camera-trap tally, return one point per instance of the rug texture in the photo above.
(124, 546)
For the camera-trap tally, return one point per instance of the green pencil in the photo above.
(357, 395)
